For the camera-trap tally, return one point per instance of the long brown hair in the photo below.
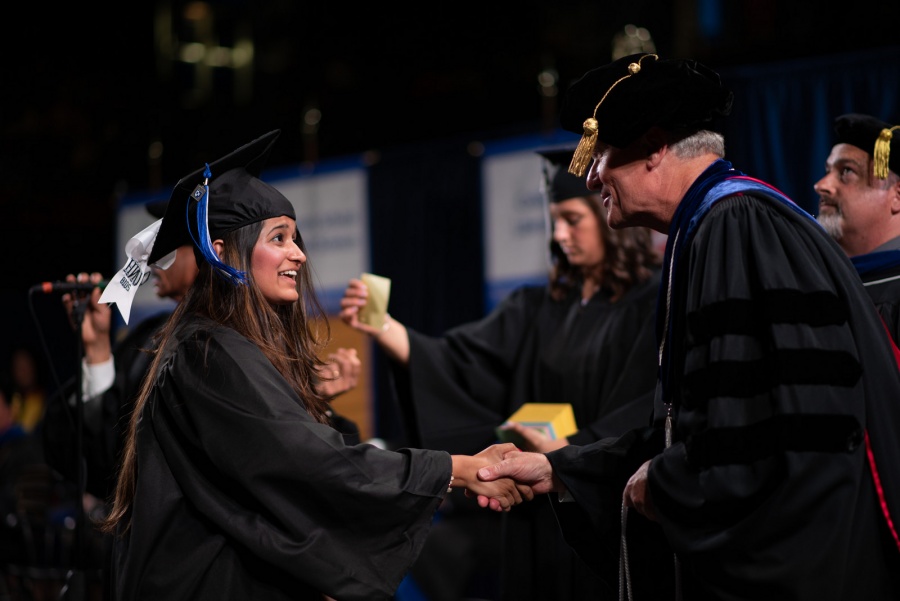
(629, 258)
(288, 335)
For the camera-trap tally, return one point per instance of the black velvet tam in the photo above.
(863, 131)
(672, 94)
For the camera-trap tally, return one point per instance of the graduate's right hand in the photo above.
(501, 494)
(494, 454)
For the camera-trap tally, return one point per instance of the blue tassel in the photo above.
(201, 193)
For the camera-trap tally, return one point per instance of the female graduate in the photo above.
(585, 338)
(233, 485)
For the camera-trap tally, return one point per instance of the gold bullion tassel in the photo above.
(882, 154)
(585, 150)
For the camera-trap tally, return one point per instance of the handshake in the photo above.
(502, 476)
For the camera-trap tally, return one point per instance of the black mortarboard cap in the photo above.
(618, 102)
(558, 183)
(237, 197)
(873, 136)
(157, 208)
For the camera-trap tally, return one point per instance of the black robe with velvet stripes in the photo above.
(782, 481)
(600, 357)
(241, 495)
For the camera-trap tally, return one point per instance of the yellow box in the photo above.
(555, 420)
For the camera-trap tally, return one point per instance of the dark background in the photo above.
(96, 104)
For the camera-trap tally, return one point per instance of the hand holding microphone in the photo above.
(50, 287)
(95, 318)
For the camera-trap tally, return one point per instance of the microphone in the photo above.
(49, 287)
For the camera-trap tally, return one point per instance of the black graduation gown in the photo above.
(600, 357)
(768, 491)
(884, 288)
(241, 495)
(880, 273)
(106, 418)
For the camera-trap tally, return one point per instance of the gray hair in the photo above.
(692, 144)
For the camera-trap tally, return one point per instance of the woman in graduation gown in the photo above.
(585, 338)
(233, 484)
